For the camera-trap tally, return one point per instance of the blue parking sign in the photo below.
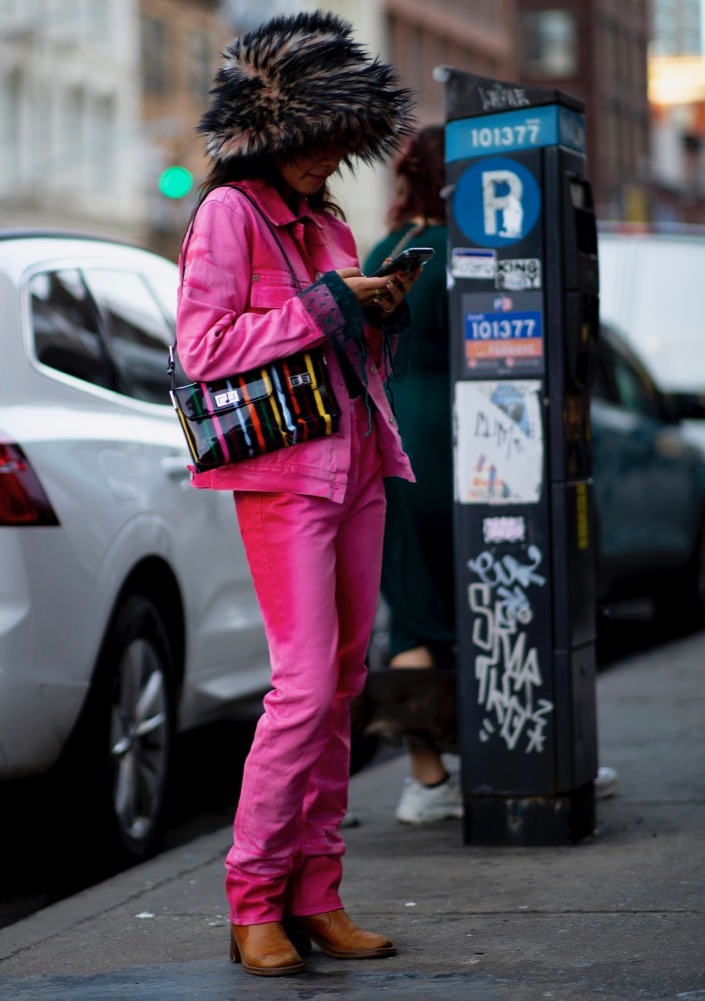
(496, 202)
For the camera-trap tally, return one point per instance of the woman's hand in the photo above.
(383, 294)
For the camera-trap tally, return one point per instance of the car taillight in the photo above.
(22, 497)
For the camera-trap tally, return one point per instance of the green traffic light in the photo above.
(175, 182)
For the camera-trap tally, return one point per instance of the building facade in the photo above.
(477, 37)
(70, 119)
(99, 97)
(597, 50)
(677, 96)
(417, 36)
(181, 46)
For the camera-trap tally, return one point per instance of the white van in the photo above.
(652, 290)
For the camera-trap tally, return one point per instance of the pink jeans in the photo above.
(316, 570)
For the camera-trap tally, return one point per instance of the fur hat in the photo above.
(298, 82)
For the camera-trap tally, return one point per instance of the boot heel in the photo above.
(264, 950)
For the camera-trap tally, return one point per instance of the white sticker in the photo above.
(478, 264)
(519, 274)
(499, 442)
(504, 529)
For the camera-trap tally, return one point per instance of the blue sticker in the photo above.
(528, 128)
(497, 202)
(504, 339)
(515, 326)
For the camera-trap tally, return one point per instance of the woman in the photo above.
(296, 98)
(418, 569)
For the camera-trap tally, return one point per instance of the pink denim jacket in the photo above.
(238, 308)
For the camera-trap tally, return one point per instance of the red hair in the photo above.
(420, 175)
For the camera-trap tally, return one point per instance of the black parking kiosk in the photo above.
(523, 298)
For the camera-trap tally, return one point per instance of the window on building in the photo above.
(610, 137)
(201, 74)
(607, 46)
(98, 17)
(10, 123)
(549, 40)
(74, 131)
(40, 122)
(103, 144)
(414, 57)
(154, 53)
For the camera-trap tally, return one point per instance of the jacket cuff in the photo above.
(398, 322)
(334, 309)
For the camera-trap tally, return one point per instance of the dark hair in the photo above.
(248, 168)
(420, 175)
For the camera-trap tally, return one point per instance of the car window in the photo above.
(65, 327)
(137, 333)
(633, 391)
(165, 293)
(600, 387)
(164, 289)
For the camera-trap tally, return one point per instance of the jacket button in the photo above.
(373, 369)
(319, 275)
(394, 422)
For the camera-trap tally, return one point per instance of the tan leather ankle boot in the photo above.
(264, 950)
(336, 934)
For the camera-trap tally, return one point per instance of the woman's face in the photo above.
(309, 172)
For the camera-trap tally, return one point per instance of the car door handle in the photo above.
(174, 467)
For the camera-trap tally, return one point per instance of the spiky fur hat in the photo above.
(298, 82)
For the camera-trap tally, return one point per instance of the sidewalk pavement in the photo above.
(620, 916)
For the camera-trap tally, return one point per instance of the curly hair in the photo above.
(420, 178)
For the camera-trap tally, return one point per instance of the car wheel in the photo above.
(123, 745)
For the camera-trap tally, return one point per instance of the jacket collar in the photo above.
(277, 211)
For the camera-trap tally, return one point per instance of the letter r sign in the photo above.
(502, 192)
(496, 202)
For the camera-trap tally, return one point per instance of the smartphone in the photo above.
(408, 260)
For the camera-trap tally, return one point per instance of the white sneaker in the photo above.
(421, 805)
(606, 782)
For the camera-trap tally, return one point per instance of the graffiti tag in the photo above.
(507, 669)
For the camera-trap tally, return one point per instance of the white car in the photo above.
(127, 612)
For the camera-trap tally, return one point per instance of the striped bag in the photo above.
(283, 403)
(280, 404)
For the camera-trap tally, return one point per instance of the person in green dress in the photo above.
(417, 567)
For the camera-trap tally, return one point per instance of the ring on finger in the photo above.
(376, 298)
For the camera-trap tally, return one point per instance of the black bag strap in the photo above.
(171, 365)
